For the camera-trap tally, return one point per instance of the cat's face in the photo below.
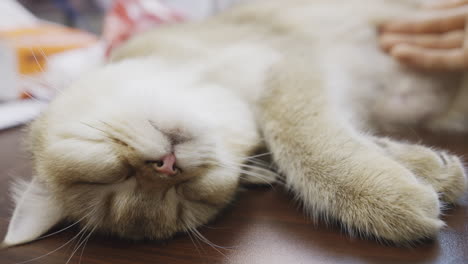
(142, 180)
(141, 164)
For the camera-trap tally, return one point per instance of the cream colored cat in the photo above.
(153, 143)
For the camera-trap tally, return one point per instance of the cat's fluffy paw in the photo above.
(443, 171)
(400, 212)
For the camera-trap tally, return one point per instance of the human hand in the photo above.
(433, 39)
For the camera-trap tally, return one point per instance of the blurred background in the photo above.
(46, 44)
(84, 14)
(89, 14)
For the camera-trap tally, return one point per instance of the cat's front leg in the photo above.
(337, 172)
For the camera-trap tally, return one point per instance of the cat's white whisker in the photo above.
(202, 238)
(41, 50)
(259, 155)
(71, 225)
(253, 173)
(78, 243)
(84, 246)
(35, 58)
(42, 69)
(31, 96)
(261, 168)
(98, 129)
(59, 91)
(194, 242)
(265, 180)
(254, 167)
(259, 162)
(245, 172)
(79, 234)
(53, 251)
(81, 243)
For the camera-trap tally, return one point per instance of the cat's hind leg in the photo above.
(336, 171)
(438, 168)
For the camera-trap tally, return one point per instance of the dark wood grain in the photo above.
(264, 225)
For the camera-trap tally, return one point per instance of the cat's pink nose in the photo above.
(166, 165)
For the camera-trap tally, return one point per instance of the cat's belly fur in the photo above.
(343, 46)
(337, 37)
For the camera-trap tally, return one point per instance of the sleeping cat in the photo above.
(155, 142)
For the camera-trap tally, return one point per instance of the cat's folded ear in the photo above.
(35, 213)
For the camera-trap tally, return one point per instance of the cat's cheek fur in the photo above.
(74, 160)
(217, 188)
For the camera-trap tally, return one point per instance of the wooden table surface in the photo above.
(264, 225)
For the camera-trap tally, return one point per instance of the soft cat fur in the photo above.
(302, 72)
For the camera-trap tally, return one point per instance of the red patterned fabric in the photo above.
(129, 17)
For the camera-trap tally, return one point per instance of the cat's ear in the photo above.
(35, 213)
